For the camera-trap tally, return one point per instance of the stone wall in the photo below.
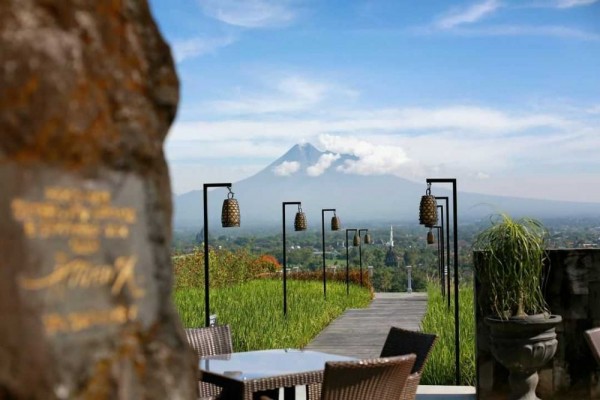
(572, 290)
(88, 92)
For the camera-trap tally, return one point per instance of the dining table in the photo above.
(243, 375)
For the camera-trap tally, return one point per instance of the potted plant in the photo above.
(510, 267)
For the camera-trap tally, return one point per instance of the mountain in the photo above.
(357, 198)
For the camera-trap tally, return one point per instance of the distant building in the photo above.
(391, 258)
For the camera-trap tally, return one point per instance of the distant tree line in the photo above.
(305, 249)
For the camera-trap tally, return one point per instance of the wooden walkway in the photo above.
(361, 333)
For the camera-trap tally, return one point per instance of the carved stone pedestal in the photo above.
(523, 346)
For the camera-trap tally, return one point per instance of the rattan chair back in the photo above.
(401, 341)
(378, 378)
(593, 338)
(210, 341)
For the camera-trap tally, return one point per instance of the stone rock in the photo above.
(89, 91)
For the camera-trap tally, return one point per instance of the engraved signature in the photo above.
(82, 273)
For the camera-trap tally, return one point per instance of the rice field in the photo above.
(254, 309)
(440, 367)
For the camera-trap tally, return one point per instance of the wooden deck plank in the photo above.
(361, 332)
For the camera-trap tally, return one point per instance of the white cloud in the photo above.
(250, 13)
(594, 109)
(573, 3)
(177, 150)
(536, 185)
(458, 20)
(292, 93)
(372, 159)
(525, 30)
(322, 165)
(286, 168)
(468, 120)
(188, 176)
(468, 142)
(468, 15)
(190, 48)
(302, 88)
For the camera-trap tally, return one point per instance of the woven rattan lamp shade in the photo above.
(428, 211)
(335, 223)
(300, 221)
(368, 238)
(356, 240)
(430, 239)
(230, 213)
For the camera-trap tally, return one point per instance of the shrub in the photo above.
(226, 267)
(266, 262)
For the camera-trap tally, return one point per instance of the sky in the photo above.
(503, 95)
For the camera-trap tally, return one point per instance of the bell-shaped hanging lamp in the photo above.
(356, 240)
(300, 220)
(230, 213)
(335, 223)
(428, 209)
(430, 239)
(367, 238)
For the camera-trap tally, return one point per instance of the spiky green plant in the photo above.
(512, 262)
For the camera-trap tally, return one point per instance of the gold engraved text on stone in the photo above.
(74, 195)
(74, 213)
(80, 273)
(82, 218)
(78, 321)
(84, 246)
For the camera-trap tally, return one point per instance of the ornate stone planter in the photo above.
(523, 346)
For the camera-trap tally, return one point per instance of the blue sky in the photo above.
(504, 95)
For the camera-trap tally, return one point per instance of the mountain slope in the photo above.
(357, 198)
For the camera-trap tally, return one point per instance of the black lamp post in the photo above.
(299, 225)
(335, 226)
(440, 249)
(431, 240)
(230, 217)
(446, 239)
(355, 242)
(455, 241)
(367, 241)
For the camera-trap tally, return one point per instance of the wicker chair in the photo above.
(401, 341)
(593, 338)
(377, 378)
(210, 341)
(368, 379)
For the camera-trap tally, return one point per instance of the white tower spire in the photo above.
(391, 236)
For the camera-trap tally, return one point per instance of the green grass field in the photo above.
(440, 368)
(254, 309)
